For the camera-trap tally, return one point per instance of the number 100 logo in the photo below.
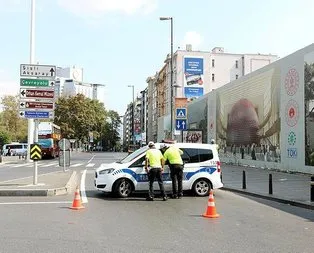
(292, 152)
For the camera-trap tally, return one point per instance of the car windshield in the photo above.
(135, 154)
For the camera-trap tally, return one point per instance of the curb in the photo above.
(272, 198)
(41, 192)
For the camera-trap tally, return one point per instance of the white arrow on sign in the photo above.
(183, 124)
(178, 125)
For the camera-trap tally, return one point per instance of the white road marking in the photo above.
(19, 165)
(83, 178)
(83, 193)
(28, 177)
(47, 165)
(35, 203)
(90, 165)
(91, 159)
(76, 165)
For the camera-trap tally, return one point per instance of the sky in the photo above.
(122, 42)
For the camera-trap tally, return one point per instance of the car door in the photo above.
(138, 166)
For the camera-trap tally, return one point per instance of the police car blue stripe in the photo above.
(166, 176)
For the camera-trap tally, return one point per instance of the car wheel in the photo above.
(202, 187)
(123, 188)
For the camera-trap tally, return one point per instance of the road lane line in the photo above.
(83, 193)
(35, 203)
(91, 159)
(90, 165)
(30, 176)
(83, 179)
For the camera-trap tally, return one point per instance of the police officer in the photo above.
(156, 163)
(214, 143)
(173, 155)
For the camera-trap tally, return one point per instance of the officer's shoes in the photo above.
(164, 198)
(174, 196)
(149, 199)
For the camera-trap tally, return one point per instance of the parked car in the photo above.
(202, 171)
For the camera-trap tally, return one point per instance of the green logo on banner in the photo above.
(292, 138)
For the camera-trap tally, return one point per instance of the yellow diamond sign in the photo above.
(35, 152)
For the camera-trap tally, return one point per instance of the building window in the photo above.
(213, 63)
(237, 64)
(237, 76)
(213, 77)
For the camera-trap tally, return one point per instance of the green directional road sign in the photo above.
(36, 82)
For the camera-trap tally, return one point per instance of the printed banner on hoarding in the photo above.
(192, 136)
(193, 77)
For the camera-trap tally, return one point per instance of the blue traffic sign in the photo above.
(181, 124)
(36, 114)
(181, 113)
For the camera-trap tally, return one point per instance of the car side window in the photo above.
(205, 154)
(138, 162)
(195, 155)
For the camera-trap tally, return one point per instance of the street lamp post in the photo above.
(133, 106)
(171, 72)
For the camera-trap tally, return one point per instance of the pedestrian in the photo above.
(154, 166)
(173, 156)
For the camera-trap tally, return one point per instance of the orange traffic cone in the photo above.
(77, 204)
(211, 209)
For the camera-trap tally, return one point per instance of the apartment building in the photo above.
(195, 73)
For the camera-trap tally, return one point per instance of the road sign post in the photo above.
(36, 98)
(35, 155)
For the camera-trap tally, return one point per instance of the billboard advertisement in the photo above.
(248, 117)
(193, 77)
(309, 108)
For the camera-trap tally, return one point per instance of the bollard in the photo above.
(312, 188)
(243, 180)
(270, 181)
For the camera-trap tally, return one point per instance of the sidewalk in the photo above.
(288, 188)
(50, 184)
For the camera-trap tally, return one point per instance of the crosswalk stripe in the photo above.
(90, 165)
(47, 165)
(76, 165)
(19, 165)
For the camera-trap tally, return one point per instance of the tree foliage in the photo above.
(10, 122)
(78, 116)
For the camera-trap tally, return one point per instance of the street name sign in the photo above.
(36, 114)
(36, 93)
(36, 105)
(35, 70)
(36, 82)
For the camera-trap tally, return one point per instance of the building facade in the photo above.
(264, 119)
(195, 73)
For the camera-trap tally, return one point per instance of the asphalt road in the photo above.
(34, 224)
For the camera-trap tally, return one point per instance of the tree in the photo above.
(4, 138)
(10, 121)
(78, 115)
(110, 131)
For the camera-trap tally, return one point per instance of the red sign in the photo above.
(30, 93)
(37, 105)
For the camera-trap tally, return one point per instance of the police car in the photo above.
(202, 171)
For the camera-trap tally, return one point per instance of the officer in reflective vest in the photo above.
(155, 160)
(173, 155)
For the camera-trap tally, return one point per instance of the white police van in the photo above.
(202, 171)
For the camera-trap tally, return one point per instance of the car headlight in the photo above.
(106, 171)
